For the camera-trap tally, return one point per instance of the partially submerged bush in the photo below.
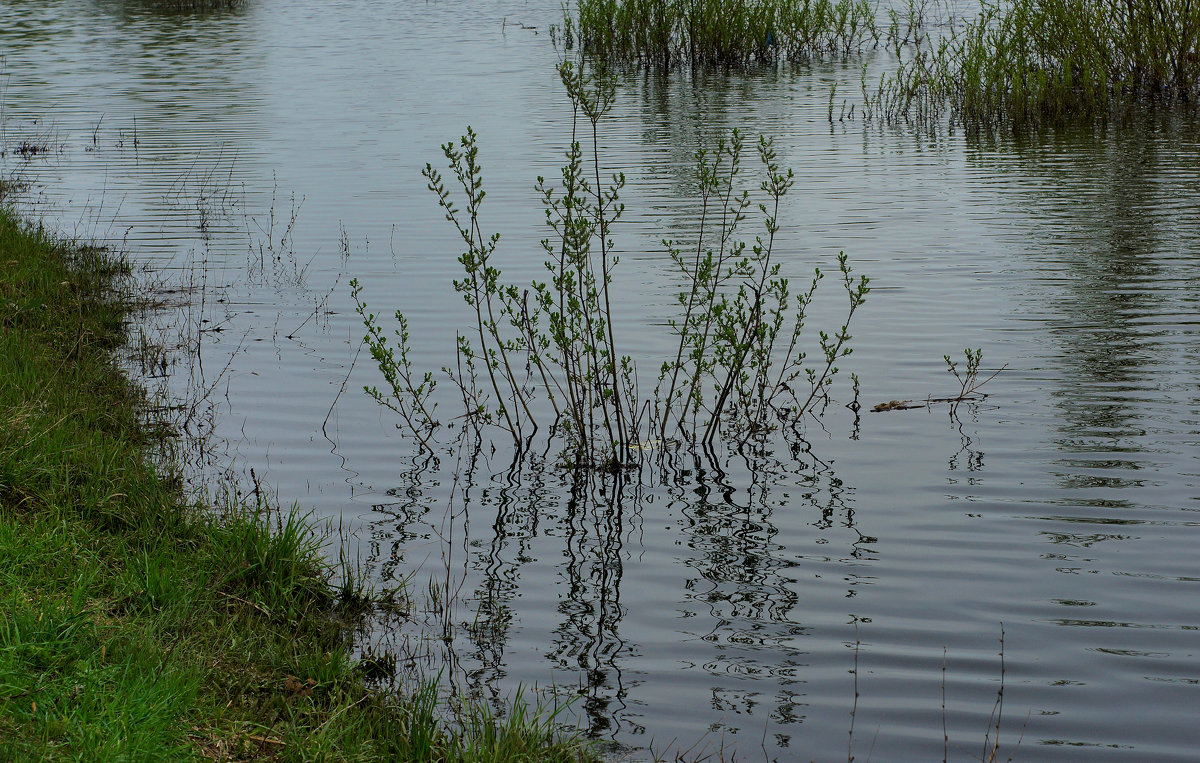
(738, 370)
(1050, 61)
(719, 32)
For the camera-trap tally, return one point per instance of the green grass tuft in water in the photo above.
(719, 32)
(1048, 62)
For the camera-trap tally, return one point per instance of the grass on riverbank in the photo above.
(137, 627)
(1035, 62)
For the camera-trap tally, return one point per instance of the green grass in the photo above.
(1030, 63)
(135, 626)
(192, 6)
(724, 33)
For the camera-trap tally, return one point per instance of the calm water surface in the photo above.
(259, 159)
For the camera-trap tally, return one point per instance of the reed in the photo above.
(721, 33)
(1037, 62)
(191, 6)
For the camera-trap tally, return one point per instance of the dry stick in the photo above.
(1000, 691)
(975, 387)
(1021, 736)
(973, 395)
(342, 389)
(316, 309)
(204, 393)
(265, 740)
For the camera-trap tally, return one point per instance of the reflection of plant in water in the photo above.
(995, 720)
(511, 532)
(273, 248)
(738, 371)
(968, 456)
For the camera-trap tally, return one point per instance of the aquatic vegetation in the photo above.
(968, 380)
(1034, 62)
(192, 5)
(970, 386)
(719, 32)
(738, 370)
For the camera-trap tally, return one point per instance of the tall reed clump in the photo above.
(192, 6)
(1034, 62)
(719, 32)
(549, 350)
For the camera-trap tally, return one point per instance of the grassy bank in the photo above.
(138, 627)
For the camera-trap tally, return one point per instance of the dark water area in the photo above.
(256, 160)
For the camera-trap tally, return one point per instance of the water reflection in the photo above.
(738, 605)
(1109, 227)
(183, 10)
(1113, 223)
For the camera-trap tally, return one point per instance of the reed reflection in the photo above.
(1115, 220)
(535, 530)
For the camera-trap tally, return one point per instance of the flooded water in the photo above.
(260, 158)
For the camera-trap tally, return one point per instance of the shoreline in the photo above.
(140, 626)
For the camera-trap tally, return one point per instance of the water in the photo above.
(258, 159)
